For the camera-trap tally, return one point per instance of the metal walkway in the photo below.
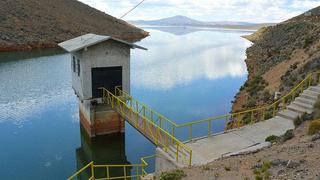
(162, 131)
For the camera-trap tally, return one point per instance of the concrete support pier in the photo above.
(100, 119)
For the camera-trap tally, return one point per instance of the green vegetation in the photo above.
(172, 175)
(255, 85)
(314, 127)
(263, 172)
(227, 168)
(297, 122)
(288, 135)
(272, 138)
(206, 167)
(307, 41)
(304, 117)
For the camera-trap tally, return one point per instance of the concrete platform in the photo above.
(209, 149)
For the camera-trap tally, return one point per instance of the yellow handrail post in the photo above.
(160, 121)
(177, 153)
(124, 172)
(167, 143)
(239, 120)
(108, 173)
(92, 170)
(137, 172)
(209, 128)
(227, 123)
(284, 103)
(173, 130)
(310, 79)
(251, 117)
(152, 116)
(190, 157)
(144, 124)
(274, 110)
(190, 132)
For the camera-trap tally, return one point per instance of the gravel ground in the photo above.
(298, 158)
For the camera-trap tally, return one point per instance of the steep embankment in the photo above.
(279, 58)
(27, 24)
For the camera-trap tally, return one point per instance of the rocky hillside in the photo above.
(295, 158)
(27, 24)
(280, 57)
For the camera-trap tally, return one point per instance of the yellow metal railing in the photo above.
(90, 171)
(136, 114)
(233, 120)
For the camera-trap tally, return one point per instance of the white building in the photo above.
(98, 61)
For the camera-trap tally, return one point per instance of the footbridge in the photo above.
(199, 142)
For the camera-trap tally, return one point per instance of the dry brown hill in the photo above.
(279, 58)
(26, 24)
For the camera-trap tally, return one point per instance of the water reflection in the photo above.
(177, 30)
(107, 149)
(185, 77)
(178, 60)
(30, 84)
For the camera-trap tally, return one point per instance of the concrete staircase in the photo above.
(302, 104)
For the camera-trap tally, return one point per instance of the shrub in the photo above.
(272, 138)
(288, 135)
(263, 172)
(172, 175)
(307, 42)
(314, 127)
(306, 117)
(298, 121)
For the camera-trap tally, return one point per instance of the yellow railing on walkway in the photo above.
(233, 120)
(238, 119)
(138, 117)
(90, 171)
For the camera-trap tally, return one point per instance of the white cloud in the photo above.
(180, 62)
(210, 10)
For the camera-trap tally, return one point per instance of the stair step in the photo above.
(311, 92)
(305, 100)
(315, 89)
(288, 114)
(304, 105)
(298, 109)
(308, 96)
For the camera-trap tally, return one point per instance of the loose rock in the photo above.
(292, 164)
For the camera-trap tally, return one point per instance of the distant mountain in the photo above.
(171, 21)
(186, 21)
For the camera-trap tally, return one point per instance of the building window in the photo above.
(78, 63)
(74, 64)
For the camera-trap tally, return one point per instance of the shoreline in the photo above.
(27, 47)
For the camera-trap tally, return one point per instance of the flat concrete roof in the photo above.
(87, 40)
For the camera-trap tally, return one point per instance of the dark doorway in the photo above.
(107, 77)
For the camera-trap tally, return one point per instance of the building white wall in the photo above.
(107, 54)
(76, 80)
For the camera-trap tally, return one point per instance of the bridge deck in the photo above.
(208, 149)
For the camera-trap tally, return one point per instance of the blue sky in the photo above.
(207, 10)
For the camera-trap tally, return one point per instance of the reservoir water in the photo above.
(186, 74)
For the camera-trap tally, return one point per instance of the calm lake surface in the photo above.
(187, 74)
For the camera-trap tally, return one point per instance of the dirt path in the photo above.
(301, 151)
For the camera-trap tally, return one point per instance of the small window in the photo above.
(74, 64)
(78, 63)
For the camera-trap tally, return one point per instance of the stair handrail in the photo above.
(181, 149)
(138, 173)
(235, 120)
